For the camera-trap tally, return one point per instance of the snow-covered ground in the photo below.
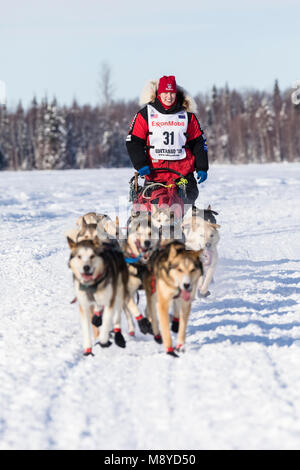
(238, 384)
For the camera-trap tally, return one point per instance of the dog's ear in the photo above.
(71, 243)
(117, 227)
(197, 253)
(136, 214)
(194, 222)
(96, 241)
(209, 208)
(79, 220)
(172, 252)
(149, 219)
(153, 208)
(83, 223)
(215, 226)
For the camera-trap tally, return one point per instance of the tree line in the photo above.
(240, 127)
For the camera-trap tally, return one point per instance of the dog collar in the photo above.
(133, 259)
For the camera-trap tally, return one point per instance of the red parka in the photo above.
(137, 142)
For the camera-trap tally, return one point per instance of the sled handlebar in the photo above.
(170, 170)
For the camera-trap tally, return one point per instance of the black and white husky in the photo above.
(101, 284)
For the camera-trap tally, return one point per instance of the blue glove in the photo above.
(145, 170)
(202, 176)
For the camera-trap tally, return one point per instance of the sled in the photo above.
(158, 193)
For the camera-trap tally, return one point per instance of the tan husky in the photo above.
(87, 231)
(100, 225)
(173, 276)
(92, 226)
(101, 281)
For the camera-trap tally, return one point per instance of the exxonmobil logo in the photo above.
(167, 123)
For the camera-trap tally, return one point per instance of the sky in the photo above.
(57, 48)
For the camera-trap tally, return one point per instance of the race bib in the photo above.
(167, 134)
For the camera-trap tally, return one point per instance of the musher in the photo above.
(166, 133)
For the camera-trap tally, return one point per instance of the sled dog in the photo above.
(93, 226)
(87, 231)
(100, 225)
(101, 284)
(172, 277)
(140, 242)
(201, 233)
(169, 225)
(141, 237)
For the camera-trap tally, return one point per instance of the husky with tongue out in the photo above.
(173, 276)
(141, 239)
(101, 285)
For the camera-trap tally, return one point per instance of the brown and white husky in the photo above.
(141, 240)
(100, 277)
(172, 278)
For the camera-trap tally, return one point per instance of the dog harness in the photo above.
(132, 259)
(153, 287)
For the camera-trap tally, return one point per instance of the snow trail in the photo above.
(236, 387)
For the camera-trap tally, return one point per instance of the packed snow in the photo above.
(236, 386)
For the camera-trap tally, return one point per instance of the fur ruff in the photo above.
(149, 93)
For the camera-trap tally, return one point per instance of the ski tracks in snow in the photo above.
(237, 384)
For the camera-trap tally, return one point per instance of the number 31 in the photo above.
(167, 136)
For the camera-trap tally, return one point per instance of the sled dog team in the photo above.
(109, 271)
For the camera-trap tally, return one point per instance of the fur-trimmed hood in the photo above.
(149, 93)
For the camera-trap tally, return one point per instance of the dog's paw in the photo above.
(203, 296)
(88, 352)
(97, 320)
(207, 294)
(120, 340)
(145, 326)
(150, 331)
(180, 348)
(171, 352)
(158, 339)
(105, 345)
(175, 325)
